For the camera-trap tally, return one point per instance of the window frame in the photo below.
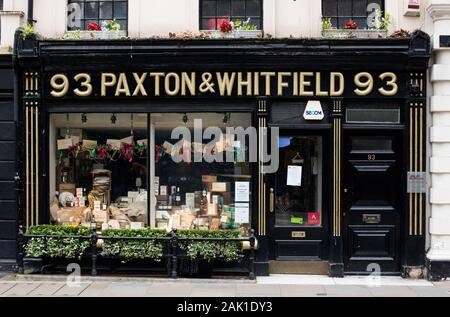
(96, 20)
(200, 15)
(352, 17)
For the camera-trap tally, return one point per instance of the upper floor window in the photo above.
(363, 12)
(80, 13)
(214, 12)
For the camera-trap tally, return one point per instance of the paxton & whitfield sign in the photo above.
(223, 84)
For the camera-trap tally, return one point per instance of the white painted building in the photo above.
(278, 19)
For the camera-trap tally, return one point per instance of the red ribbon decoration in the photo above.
(158, 149)
(127, 152)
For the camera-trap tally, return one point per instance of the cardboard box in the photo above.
(101, 216)
(220, 187)
(67, 187)
(209, 178)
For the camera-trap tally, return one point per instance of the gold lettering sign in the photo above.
(241, 84)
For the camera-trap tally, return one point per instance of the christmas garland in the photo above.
(102, 153)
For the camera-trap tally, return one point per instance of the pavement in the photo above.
(272, 286)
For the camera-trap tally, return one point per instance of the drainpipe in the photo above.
(30, 12)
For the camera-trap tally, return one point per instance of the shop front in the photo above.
(316, 145)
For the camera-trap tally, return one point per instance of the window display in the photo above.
(112, 168)
(98, 169)
(195, 193)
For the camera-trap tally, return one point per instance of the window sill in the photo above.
(96, 35)
(216, 34)
(345, 33)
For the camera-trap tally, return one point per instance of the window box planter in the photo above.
(102, 35)
(250, 34)
(360, 34)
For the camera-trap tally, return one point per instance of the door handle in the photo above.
(271, 200)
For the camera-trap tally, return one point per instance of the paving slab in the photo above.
(380, 280)
(125, 290)
(21, 289)
(213, 292)
(346, 291)
(67, 290)
(169, 290)
(47, 289)
(258, 290)
(392, 291)
(95, 289)
(430, 291)
(296, 279)
(302, 290)
(5, 286)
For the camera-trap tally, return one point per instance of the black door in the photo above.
(297, 209)
(372, 202)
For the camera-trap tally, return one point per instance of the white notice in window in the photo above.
(294, 175)
(242, 191)
(241, 213)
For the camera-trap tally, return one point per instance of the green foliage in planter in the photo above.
(228, 251)
(134, 249)
(28, 32)
(69, 248)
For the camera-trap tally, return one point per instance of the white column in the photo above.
(11, 18)
(439, 224)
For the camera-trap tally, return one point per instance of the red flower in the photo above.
(352, 25)
(225, 26)
(94, 27)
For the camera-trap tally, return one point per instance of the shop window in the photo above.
(98, 169)
(197, 193)
(130, 170)
(373, 113)
(213, 12)
(298, 191)
(82, 12)
(360, 11)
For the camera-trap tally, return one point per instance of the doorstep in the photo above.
(299, 267)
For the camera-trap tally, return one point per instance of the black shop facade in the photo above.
(327, 175)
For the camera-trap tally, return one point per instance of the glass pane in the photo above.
(192, 192)
(298, 190)
(98, 169)
(75, 13)
(371, 144)
(376, 4)
(345, 8)
(106, 11)
(238, 8)
(329, 8)
(209, 24)
(362, 22)
(253, 8)
(256, 22)
(91, 10)
(359, 8)
(224, 8)
(74, 25)
(120, 10)
(209, 8)
(123, 24)
(357, 114)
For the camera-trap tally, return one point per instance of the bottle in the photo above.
(178, 197)
(203, 202)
